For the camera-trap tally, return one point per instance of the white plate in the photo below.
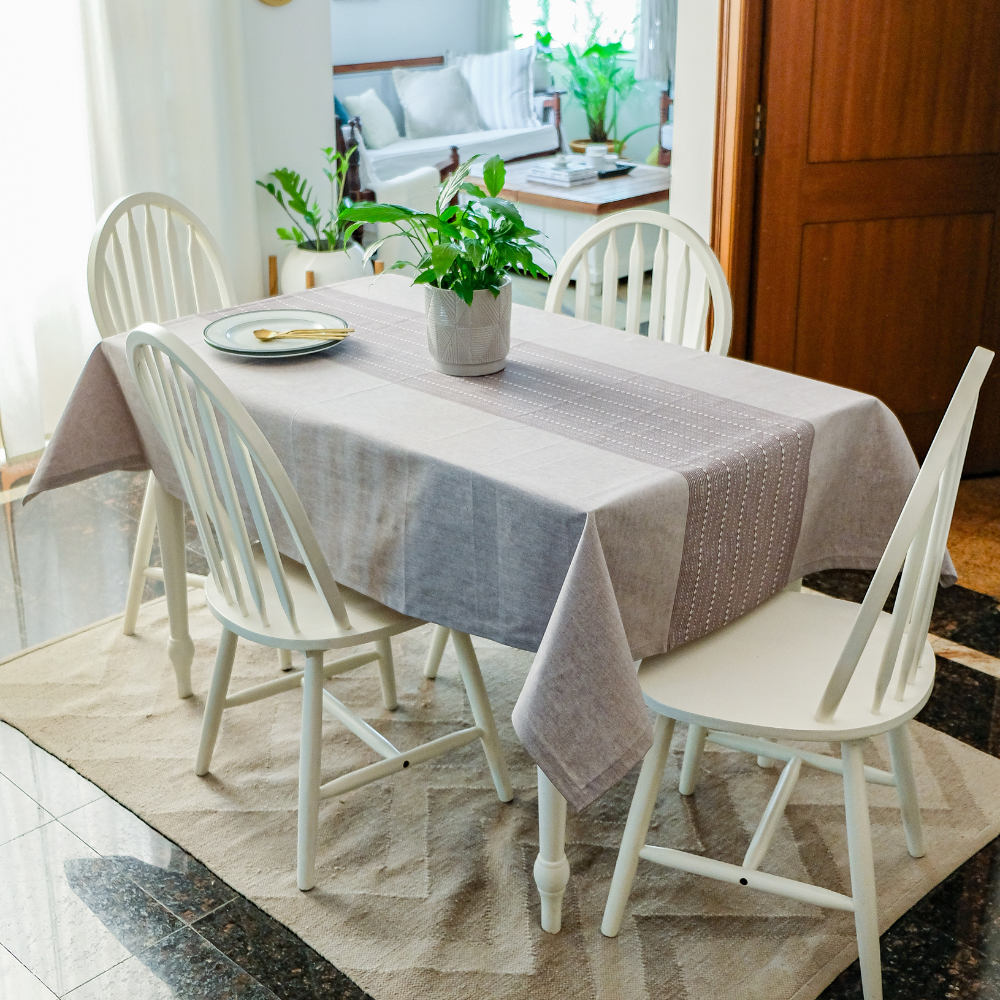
(234, 334)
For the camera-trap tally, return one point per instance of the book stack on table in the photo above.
(567, 175)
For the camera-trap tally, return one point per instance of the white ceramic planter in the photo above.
(464, 339)
(327, 266)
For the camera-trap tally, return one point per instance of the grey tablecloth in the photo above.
(603, 499)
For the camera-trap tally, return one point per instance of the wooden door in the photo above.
(877, 251)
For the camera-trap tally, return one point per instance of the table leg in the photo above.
(551, 866)
(170, 522)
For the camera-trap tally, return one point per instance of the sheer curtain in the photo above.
(168, 113)
(495, 31)
(161, 85)
(46, 219)
(657, 40)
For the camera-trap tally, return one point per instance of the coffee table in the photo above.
(562, 215)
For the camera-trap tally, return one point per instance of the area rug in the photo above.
(424, 880)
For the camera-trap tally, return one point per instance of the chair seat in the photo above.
(764, 674)
(317, 628)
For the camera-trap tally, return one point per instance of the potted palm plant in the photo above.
(600, 83)
(465, 255)
(322, 243)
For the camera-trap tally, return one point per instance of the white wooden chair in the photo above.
(676, 328)
(129, 283)
(258, 593)
(807, 667)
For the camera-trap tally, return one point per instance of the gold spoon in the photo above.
(328, 333)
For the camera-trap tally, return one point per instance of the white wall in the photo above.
(693, 155)
(289, 89)
(378, 30)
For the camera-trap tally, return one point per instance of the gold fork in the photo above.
(327, 333)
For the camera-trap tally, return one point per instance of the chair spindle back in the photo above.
(917, 546)
(128, 279)
(676, 328)
(205, 454)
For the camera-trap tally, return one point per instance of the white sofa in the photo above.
(409, 154)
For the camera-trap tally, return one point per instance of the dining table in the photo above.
(604, 498)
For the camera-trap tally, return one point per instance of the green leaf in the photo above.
(474, 189)
(370, 211)
(494, 175)
(442, 257)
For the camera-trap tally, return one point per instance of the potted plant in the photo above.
(465, 254)
(327, 250)
(600, 83)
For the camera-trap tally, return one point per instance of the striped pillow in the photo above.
(502, 85)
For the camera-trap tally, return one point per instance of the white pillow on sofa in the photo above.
(503, 85)
(435, 102)
(377, 124)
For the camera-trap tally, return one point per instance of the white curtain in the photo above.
(168, 113)
(657, 42)
(161, 85)
(495, 30)
(46, 219)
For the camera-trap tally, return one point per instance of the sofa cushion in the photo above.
(435, 102)
(408, 154)
(377, 124)
(502, 85)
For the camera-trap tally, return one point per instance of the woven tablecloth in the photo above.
(604, 498)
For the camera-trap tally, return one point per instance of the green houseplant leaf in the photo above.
(467, 247)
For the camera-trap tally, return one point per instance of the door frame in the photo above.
(740, 75)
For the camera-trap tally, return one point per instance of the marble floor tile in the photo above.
(111, 830)
(129, 980)
(44, 778)
(19, 813)
(196, 970)
(133, 916)
(274, 955)
(184, 886)
(17, 983)
(44, 923)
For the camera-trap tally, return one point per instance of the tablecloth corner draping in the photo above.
(585, 604)
(97, 420)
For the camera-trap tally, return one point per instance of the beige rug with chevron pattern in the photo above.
(424, 880)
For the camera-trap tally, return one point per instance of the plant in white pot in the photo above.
(329, 252)
(466, 254)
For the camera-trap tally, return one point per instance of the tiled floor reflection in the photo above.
(95, 905)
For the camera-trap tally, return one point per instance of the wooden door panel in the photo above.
(925, 70)
(897, 290)
(877, 244)
(878, 189)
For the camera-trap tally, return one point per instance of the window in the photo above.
(576, 21)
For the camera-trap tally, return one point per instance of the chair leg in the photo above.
(906, 785)
(216, 703)
(310, 751)
(479, 701)
(285, 660)
(692, 759)
(859, 850)
(636, 826)
(434, 654)
(140, 558)
(387, 673)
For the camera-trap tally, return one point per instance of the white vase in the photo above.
(464, 339)
(327, 266)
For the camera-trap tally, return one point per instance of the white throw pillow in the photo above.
(377, 124)
(502, 84)
(435, 102)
